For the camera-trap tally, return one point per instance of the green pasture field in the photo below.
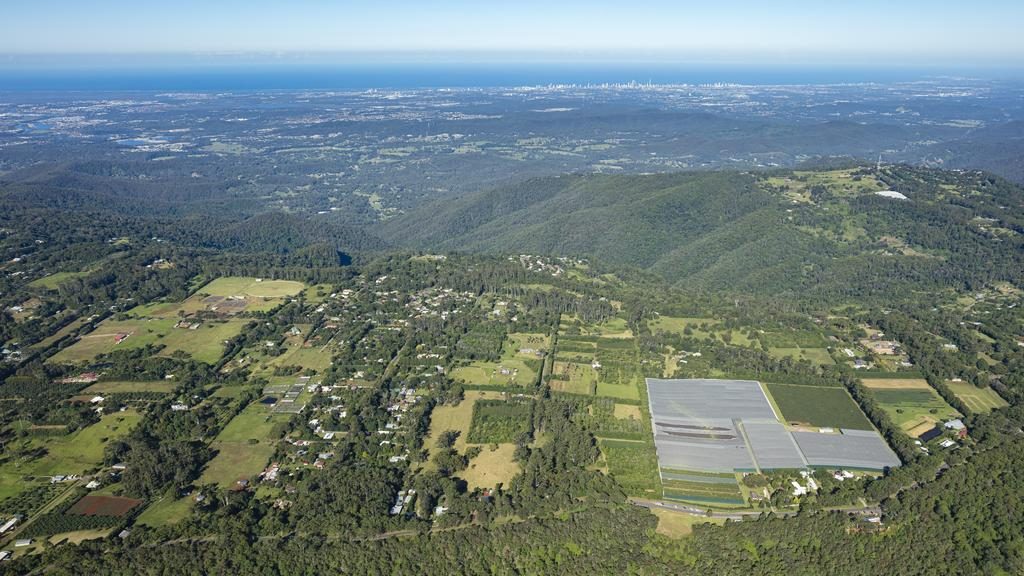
(626, 391)
(205, 344)
(77, 452)
(317, 293)
(228, 392)
(11, 484)
(165, 511)
(614, 328)
(312, 358)
(818, 356)
(818, 406)
(244, 446)
(838, 182)
(523, 367)
(678, 525)
(489, 373)
(53, 281)
(491, 467)
(102, 339)
(258, 296)
(458, 417)
(978, 400)
(246, 286)
(235, 461)
(255, 422)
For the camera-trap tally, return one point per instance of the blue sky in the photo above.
(863, 32)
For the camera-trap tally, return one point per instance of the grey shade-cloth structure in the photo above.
(773, 446)
(730, 425)
(718, 446)
(708, 399)
(863, 449)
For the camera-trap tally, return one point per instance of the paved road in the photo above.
(739, 515)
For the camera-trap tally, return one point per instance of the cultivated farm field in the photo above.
(978, 400)
(818, 406)
(913, 406)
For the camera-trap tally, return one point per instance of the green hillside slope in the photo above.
(825, 232)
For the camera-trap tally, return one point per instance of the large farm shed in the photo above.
(731, 426)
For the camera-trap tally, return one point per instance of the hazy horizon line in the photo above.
(776, 60)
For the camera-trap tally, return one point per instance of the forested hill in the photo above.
(826, 233)
(63, 202)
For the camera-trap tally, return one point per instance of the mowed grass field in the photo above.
(53, 281)
(205, 344)
(245, 286)
(11, 484)
(490, 373)
(76, 452)
(625, 391)
(818, 406)
(103, 339)
(627, 411)
(167, 510)
(255, 422)
(679, 524)
(490, 467)
(978, 400)
(911, 403)
(152, 324)
(815, 355)
(313, 358)
(244, 446)
(235, 461)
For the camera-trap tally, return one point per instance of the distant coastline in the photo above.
(428, 75)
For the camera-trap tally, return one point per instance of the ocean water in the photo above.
(410, 76)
